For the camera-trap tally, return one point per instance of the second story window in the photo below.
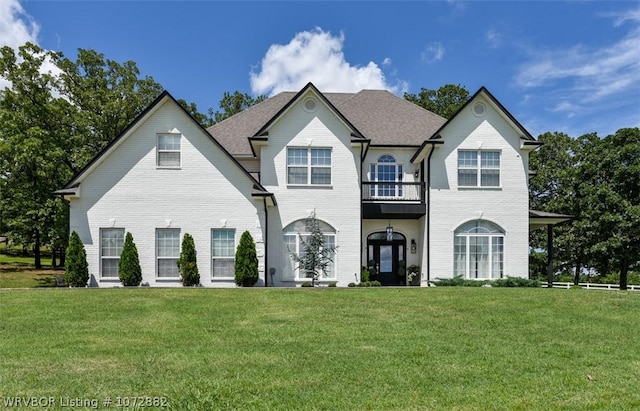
(386, 170)
(478, 168)
(309, 166)
(168, 154)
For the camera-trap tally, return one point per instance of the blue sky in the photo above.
(557, 66)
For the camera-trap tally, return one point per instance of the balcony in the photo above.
(386, 200)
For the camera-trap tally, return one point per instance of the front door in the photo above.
(388, 257)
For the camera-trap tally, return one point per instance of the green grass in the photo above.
(335, 349)
(17, 270)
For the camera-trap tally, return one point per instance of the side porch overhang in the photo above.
(540, 219)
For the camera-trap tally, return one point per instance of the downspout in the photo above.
(362, 156)
(428, 188)
(266, 242)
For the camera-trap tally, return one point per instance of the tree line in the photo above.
(55, 116)
(53, 122)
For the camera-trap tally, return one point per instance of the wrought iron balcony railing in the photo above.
(392, 191)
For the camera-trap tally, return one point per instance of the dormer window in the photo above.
(168, 150)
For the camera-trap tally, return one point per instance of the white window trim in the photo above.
(478, 169)
(102, 258)
(158, 258)
(309, 167)
(213, 258)
(399, 189)
(491, 237)
(296, 271)
(158, 150)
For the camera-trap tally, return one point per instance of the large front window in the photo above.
(478, 168)
(111, 243)
(309, 166)
(223, 251)
(295, 234)
(478, 250)
(386, 170)
(168, 252)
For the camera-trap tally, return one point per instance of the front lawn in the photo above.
(17, 270)
(335, 349)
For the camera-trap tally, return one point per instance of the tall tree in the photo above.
(192, 109)
(52, 121)
(32, 148)
(596, 180)
(445, 101)
(234, 103)
(107, 96)
(614, 190)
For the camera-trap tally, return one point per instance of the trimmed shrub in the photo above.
(129, 269)
(307, 284)
(188, 262)
(333, 285)
(458, 281)
(76, 272)
(515, 282)
(351, 285)
(364, 275)
(246, 264)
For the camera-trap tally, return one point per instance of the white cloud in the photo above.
(585, 89)
(433, 52)
(494, 38)
(593, 73)
(316, 56)
(16, 26)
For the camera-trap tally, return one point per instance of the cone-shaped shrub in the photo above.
(76, 268)
(129, 264)
(188, 264)
(246, 264)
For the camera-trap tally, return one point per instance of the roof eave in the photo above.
(423, 151)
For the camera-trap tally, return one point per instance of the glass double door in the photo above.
(388, 256)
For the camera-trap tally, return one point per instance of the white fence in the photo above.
(593, 286)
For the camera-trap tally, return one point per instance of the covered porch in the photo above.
(542, 219)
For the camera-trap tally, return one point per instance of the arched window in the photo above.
(478, 250)
(386, 170)
(299, 231)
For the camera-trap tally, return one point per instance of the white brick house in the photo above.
(390, 182)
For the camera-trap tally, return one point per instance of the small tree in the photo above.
(316, 255)
(246, 264)
(129, 265)
(188, 264)
(76, 268)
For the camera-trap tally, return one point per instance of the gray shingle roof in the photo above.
(379, 115)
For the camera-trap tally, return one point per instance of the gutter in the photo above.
(429, 216)
(265, 240)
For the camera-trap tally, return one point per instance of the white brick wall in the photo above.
(452, 206)
(127, 190)
(338, 205)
